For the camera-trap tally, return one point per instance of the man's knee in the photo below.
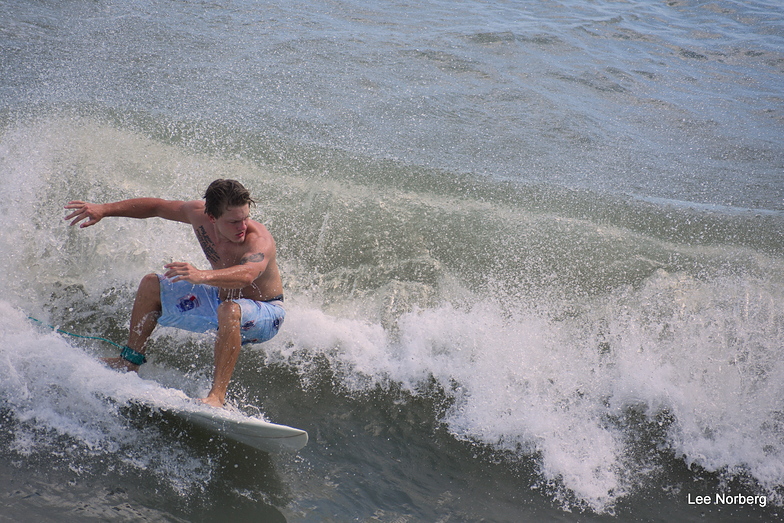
(150, 282)
(229, 312)
(150, 289)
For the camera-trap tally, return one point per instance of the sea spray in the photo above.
(567, 389)
(558, 336)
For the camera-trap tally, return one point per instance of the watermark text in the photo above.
(728, 499)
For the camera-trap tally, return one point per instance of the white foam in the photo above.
(560, 388)
(552, 381)
(64, 403)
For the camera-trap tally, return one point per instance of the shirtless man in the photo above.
(241, 296)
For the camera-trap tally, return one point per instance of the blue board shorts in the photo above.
(195, 308)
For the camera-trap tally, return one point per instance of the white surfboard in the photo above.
(248, 430)
(254, 432)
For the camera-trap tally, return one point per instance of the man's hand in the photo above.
(177, 271)
(82, 210)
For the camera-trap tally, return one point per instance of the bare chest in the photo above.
(219, 255)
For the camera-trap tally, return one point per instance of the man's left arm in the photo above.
(239, 276)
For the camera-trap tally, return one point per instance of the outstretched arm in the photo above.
(134, 208)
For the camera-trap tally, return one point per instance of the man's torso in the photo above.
(224, 254)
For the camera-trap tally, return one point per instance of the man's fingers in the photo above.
(76, 214)
(81, 212)
(179, 271)
(79, 216)
(174, 269)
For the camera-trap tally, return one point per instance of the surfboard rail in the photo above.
(229, 423)
(254, 432)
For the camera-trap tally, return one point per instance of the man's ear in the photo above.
(212, 218)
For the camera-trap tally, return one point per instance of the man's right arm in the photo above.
(134, 208)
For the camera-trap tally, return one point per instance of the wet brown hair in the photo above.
(222, 194)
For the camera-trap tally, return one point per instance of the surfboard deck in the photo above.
(234, 425)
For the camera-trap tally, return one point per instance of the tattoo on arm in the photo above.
(206, 245)
(252, 258)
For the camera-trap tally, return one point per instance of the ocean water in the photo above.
(533, 255)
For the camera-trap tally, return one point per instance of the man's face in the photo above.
(233, 223)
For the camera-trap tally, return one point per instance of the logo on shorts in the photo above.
(248, 325)
(187, 303)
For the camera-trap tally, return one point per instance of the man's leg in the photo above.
(227, 350)
(144, 317)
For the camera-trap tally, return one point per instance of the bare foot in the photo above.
(212, 401)
(120, 364)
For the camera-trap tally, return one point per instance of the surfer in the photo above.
(241, 296)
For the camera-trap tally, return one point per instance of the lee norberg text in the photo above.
(728, 499)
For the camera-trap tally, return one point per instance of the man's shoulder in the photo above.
(194, 206)
(193, 210)
(179, 211)
(259, 236)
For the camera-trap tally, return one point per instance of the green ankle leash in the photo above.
(127, 353)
